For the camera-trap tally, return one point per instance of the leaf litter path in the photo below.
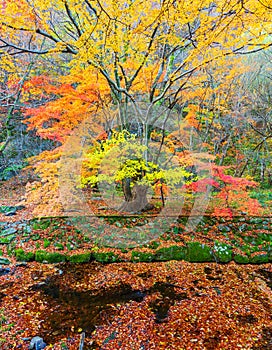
(160, 305)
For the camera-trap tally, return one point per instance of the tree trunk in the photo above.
(127, 189)
(139, 200)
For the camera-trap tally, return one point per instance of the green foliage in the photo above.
(10, 171)
(59, 246)
(7, 239)
(4, 325)
(260, 258)
(241, 259)
(35, 237)
(263, 195)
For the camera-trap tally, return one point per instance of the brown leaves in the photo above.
(179, 305)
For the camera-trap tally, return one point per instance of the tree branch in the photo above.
(91, 7)
(144, 59)
(70, 15)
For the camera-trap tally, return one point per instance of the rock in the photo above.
(4, 261)
(222, 252)
(37, 343)
(22, 264)
(8, 231)
(10, 213)
(241, 259)
(4, 271)
(11, 210)
(242, 227)
(20, 207)
(106, 257)
(170, 253)
(142, 256)
(224, 228)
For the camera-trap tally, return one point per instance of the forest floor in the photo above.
(157, 305)
(131, 305)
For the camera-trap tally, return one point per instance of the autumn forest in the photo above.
(135, 174)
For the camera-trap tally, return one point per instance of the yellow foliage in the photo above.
(141, 51)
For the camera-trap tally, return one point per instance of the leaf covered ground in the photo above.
(135, 305)
(160, 305)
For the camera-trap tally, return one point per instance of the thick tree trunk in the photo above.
(127, 189)
(139, 200)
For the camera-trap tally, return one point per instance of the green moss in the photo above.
(153, 245)
(105, 257)
(80, 258)
(69, 246)
(59, 246)
(35, 237)
(46, 243)
(142, 256)
(42, 224)
(197, 252)
(7, 239)
(259, 259)
(170, 253)
(265, 237)
(21, 255)
(43, 256)
(241, 259)
(246, 249)
(222, 252)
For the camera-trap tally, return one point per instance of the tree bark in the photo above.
(139, 200)
(127, 189)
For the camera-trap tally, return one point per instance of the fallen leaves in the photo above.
(162, 305)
